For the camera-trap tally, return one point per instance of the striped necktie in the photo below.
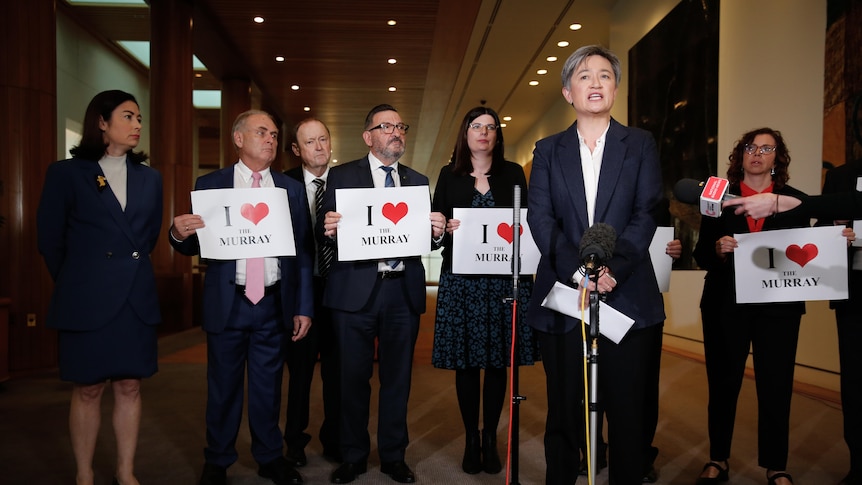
(325, 253)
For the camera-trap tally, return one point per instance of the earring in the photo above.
(772, 172)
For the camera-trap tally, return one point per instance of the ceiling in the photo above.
(451, 55)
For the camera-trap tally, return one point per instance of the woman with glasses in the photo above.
(758, 164)
(473, 324)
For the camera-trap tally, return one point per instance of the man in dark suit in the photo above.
(848, 316)
(313, 145)
(371, 300)
(250, 307)
(596, 171)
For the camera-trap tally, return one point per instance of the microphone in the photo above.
(709, 194)
(597, 246)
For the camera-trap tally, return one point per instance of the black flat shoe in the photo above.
(280, 472)
(398, 471)
(723, 474)
(650, 475)
(296, 457)
(213, 475)
(775, 476)
(347, 472)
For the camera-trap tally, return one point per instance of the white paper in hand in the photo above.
(566, 300)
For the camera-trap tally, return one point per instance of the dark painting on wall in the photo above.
(673, 93)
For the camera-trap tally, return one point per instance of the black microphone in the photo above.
(708, 195)
(597, 246)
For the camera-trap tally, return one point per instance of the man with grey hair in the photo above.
(250, 307)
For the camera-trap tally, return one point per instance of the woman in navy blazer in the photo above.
(596, 171)
(98, 220)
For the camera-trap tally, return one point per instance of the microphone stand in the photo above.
(516, 397)
(593, 363)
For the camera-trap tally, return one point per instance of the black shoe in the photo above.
(280, 472)
(213, 475)
(472, 462)
(723, 474)
(296, 457)
(650, 474)
(399, 471)
(347, 472)
(490, 458)
(601, 463)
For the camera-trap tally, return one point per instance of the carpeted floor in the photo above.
(35, 449)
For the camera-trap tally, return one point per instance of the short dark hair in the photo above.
(92, 146)
(461, 155)
(782, 157)
(377, 109)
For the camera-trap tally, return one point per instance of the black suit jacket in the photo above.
(349, 285)
(297, 291)
(628, 190)
(719, 288)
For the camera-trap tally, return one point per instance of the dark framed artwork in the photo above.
(673, 93)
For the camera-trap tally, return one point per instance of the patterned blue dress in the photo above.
(473, 328)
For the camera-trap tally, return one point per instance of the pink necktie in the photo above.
(254, 266)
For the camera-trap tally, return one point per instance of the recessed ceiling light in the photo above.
(279, 58)
(391, 22)
(307, 108)
(542, 72)
(575, 26)
(392, 60)
(534, 83)
(295, 87)
(563, 43)
(507, 118)
(503, 125)
(551, 58)
(258, 20)
(392, 89)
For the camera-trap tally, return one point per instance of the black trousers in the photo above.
(623, 381)
(848, 315)
(301, 359)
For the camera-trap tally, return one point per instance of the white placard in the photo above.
(857, 226)
(661, 262)
(244, 223)
(383, 223)
(567, 300)
(482, 244)
(804, 264)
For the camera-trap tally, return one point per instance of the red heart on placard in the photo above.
(506, 232)
(254, 213)
(803, 255)
(394, 212)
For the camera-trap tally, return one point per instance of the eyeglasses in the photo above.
(479, 126)
(389, 128)
(763, 149)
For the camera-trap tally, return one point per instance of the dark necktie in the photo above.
(390, 182)
(325, 253)
(254, 266)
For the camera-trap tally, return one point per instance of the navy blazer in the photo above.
(349, 285)
(629, 188)
(98, 254)
(297, 296)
